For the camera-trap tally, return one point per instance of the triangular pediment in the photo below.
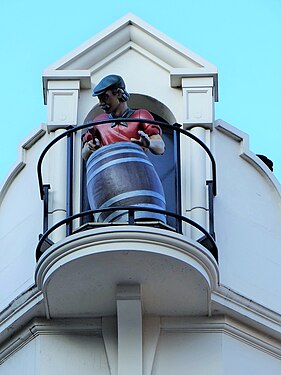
(129, 33)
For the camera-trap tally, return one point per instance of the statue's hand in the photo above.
(89, 148)
(143, 141)
(93, 145)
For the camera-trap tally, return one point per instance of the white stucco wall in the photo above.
(240, 358)
(192, 353)
(247, 222)
(212, 354)
(72, 354)
(59, 354)
(21, 362)
(182, 346)
(125, 66)
(20, 225)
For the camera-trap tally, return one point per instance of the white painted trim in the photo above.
(83, 76)
(124, 22)
(25, 308)
(247, 154)
(123, 49)
(224, 325)
(129, 321)
(266, 321)
(59, 115)
(18, 303)
(177, 75)
(200, 98)
(217, 324)
(25, 145)
(164, 242)
(244, 308)
(49, 327)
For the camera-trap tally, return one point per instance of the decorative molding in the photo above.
(204, 75)
(62, 103)
(244, 308)
(34, 137)
(247, 154)
(129, 32)
(185, 325)
(125, 48)
(66, 326)
(27, 144)
(18, 303)
(83, 76)
(16, 169)
(224, 325)
(126, 29)
(48, 327)
(198, 106)
(166, 242)
(23, 309)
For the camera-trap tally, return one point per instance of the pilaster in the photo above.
(129, 320)
(62, 103)
(198, 102)
(57, 181)
(198, 117)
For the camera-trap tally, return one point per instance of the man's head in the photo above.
(112, 94)
(114, 83)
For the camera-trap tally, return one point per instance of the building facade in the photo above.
(198, 295)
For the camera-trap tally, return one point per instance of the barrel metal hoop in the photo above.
(101, 157)
(115, 162)
(131, 194)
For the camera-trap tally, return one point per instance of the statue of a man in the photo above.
(119, 173)
(112, 95)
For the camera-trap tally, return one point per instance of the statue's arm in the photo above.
(157, 145)
(154, 142)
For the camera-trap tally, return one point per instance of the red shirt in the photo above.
(108, 133)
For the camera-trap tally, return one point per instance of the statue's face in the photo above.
(109, 101)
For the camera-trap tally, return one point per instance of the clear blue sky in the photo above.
(241, 37)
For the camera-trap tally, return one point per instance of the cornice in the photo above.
(180, 325)
(224, 325)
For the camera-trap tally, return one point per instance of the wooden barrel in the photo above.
(121, 174)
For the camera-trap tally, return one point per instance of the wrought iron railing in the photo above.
(208, 237)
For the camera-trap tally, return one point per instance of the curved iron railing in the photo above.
(131, 221)
(44, 188)
(176, 127)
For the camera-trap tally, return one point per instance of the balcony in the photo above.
(79, 272)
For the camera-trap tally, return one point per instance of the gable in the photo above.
(129, 34)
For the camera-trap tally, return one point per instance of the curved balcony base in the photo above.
(79, 275)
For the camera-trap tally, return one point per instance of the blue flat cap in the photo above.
(107, 83)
